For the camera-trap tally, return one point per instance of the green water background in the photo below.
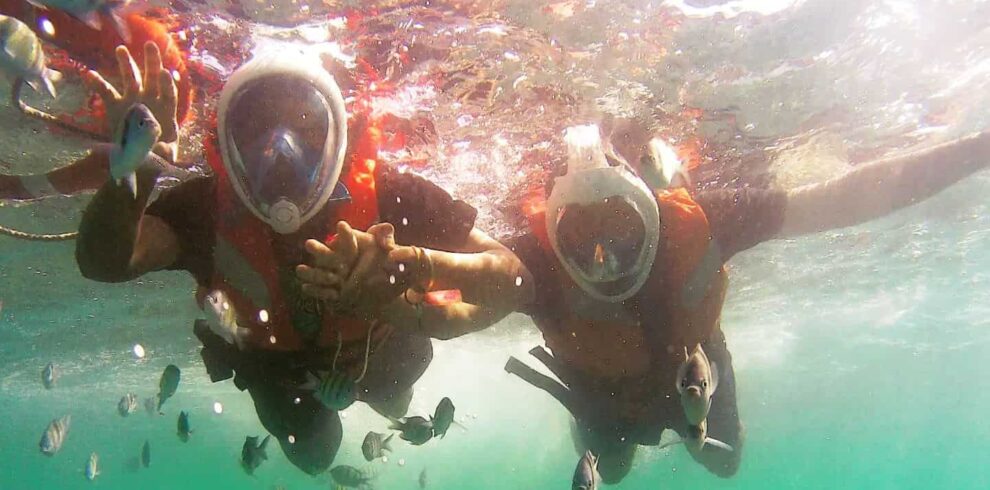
(860, 357)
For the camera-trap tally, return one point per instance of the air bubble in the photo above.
(519, 281)
(292, 439)
(271, 339)
(217, 408)
(405, 221)
(297, 400)
(402, 462)
(402, 267)
(391, 279)
(176, 76)
(138, 351)
(263, 316)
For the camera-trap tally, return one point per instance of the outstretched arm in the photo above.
(875, 189)
(117, 241)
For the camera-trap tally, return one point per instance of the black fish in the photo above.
(417, 430)
(146, 454)
(183, 427)
(253, 454)
(168, 384)
(443, 417)
(350, 477)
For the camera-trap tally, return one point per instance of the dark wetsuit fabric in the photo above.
(738, 219)
(432, 219)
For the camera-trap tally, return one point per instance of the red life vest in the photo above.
(681, 301)
(246, 267)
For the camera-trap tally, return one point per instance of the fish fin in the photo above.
(714, 376)
(671, 443)
(33, 84)
(37, 4)
(385, 446)
(120, 26)
(394, 424)
(681, 372)
(312, 382)
(48, 79)
(462, 426)
(92, 19)
(717, 443)
(131, 181)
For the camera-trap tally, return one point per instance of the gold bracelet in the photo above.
(429, 263)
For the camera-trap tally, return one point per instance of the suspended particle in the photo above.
(47, 27)
(402, 462)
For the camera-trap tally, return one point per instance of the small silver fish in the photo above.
(253, 454)
(416, 430)
(21, 56)
(168, 384)
(49, 375)
(586, 475)
(54, 435)
(182, 425)
(146, 454)
(697, 438)
(89, 11)
(375, 445)
(335, 390)
(697, 379)
(92, 467)
(133, 141)
(222, 319)
(127, 405)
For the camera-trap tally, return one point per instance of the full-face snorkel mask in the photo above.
(608, 270)
(283, 135)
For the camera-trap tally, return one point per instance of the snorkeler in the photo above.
(627, 276)
(274, 238)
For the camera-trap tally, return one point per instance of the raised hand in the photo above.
(153, 87)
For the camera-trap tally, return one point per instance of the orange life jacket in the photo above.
(246, 268)
(679, 305)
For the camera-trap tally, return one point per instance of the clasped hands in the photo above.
(359, 273)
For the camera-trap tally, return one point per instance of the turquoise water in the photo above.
(860, 354)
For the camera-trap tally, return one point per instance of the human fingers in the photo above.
(96, 83)
(324, 293)
(152, 70)
(384, 234)
(129, 73)
(317, 276)
(345, 243)
(325, 258)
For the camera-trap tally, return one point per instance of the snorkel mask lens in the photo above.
(604, 241)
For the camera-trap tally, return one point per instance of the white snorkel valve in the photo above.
(589, 180)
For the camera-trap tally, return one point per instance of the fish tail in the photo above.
(118, 23)
(262, 447)
(47, 80)
(385, 443)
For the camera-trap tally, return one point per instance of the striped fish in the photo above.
(127, 405)
(92, 467)
(334, 390)
(375, 445)
(54, 436)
